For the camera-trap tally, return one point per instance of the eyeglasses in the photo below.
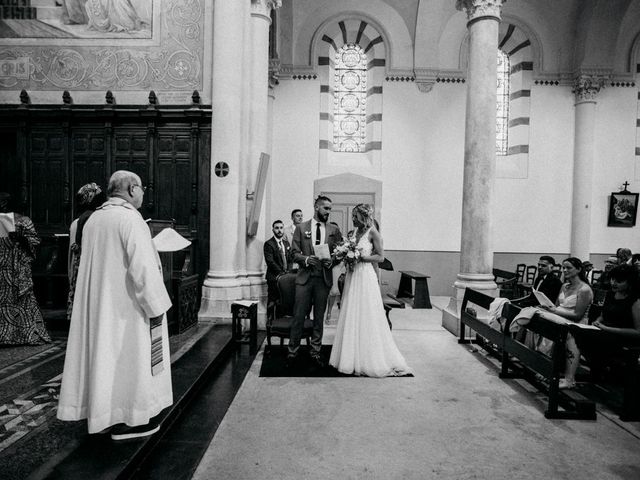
(144, 189)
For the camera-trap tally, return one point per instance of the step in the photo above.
(98, 457)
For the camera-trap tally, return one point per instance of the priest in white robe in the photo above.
(115, 373)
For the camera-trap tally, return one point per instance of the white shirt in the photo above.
(323, 229)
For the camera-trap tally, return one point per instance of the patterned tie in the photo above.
(318, 233)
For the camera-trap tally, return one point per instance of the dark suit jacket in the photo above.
(550, 286)
(273, 258)
(302, 248)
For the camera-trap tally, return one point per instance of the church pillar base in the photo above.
(217, 296)
(481, 282)
(258, 291)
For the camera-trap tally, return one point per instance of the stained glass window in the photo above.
(502, 111)
(349, 100)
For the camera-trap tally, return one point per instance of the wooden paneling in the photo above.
(53, 151)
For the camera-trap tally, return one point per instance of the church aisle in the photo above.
(454, 419)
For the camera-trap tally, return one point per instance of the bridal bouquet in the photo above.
(347, 252)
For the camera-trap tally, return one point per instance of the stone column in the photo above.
(222, 285)
(259, 123)
(586, 87)
(476, 253)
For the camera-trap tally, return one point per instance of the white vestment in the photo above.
(107, 370)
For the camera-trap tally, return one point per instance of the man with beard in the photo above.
(276, 255)
(314, 278)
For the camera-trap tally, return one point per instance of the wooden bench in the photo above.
(506, 282)
(628, 350)
(506, 346)
(390, 303)
(418, 298)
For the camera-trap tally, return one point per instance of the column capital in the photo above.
(480, 8)
(262, 8)
(586, 87)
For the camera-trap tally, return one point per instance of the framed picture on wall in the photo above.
(623, 208)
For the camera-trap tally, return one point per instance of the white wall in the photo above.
(534, 214)
(422, 167)
(614, 164)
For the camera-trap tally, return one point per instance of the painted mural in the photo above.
(105, 44)
(78, 19)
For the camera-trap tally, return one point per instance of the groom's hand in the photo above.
(326, 263)
(313, 260)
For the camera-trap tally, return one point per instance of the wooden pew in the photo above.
(626, 348)
(575, 405)
(507, 282)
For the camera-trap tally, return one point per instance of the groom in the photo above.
(313, 280)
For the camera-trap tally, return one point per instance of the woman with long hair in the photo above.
(573, 304)
(363, 343)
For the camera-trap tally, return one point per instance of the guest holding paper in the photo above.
(21, 321)
(573, 304)
(117, 367)
(311, 241)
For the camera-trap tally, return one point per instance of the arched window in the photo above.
(502, 109)
(349, 99)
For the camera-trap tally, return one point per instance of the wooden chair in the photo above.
(280, 313)
(520, 269)
(530, 275)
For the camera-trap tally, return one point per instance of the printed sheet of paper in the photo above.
(322, 251)
(168, 240)
(7, 224)
(543, 299)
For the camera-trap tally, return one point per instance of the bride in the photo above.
(363, 344)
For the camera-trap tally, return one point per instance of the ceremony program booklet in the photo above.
(7, 224)
(322, 251)
(543, 299)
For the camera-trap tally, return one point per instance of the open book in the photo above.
(543, 299)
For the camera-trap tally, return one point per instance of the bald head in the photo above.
(126, 185)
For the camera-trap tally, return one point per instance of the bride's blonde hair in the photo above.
(364, 213)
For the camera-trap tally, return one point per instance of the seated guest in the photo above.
(623, 255)
(588, 271)
(277, 255)
(545, 282)
(572, 304)
(88, 198)
(603, 283)
(21, 321)
(619, 318)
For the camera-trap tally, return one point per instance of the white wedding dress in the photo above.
(363, 344)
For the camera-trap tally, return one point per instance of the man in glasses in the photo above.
(117, 367)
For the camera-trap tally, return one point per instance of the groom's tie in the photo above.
(318, 233)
